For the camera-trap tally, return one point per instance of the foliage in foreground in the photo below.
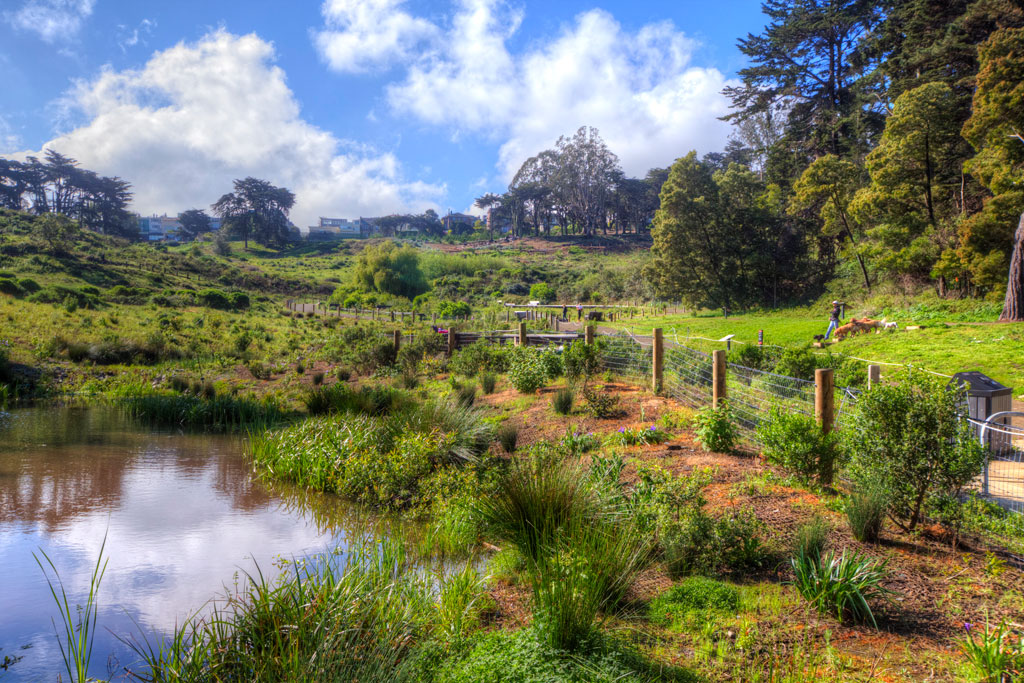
(797, 443)
(994, 654)
(716, 428)
(694, 594)
(841, 586)
(908, 438)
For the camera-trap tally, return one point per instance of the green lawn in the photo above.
(995, 349)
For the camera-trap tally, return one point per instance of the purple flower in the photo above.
(653, 428)
(967, 626)
(622, 430)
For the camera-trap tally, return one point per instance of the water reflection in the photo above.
(181, 512)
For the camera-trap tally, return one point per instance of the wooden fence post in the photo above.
(556, 324)
(508, 314)
(392, 315)
(521, 339)
(658, 359)
(588, 334)
(824, 398)
(451, 340)
(718, 391)
(433, 318)
(874, 375)
(398, 340)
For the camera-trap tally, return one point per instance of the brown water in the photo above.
(182, 514)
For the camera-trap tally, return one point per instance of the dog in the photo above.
(819, 337)
(856, 325)
(891, 327)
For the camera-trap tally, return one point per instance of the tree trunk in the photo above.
(1013, 306)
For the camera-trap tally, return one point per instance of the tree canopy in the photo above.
(256, 210)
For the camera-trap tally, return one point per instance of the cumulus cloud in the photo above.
(639, 88)
(127, 38)
(198, 115)
(365, 34)
(53, 20)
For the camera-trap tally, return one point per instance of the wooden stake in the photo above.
(658, 356)
(718, 390)
(824, 398)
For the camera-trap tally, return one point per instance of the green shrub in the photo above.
(865, 511)
(480, 356)
(318, 378)
(562, 401)
(841, 586)
(508, 436)
(694, 594)
(995, 655)
(214, 298)
(523, 656)
(908, 438)
(552, 362)
(811, 537)
(10, 286)
(716, 429)
(488, 380)
(466, 394)
(408, 380)
(638, 436)
(600, 404)
(238, 300)
(797, 443)
(28, 285)
(543, 292)
(527, 371)
(341, 398)
(389, 269)
(581, 361)
(798, 362)
(343, 374)
(453, 309)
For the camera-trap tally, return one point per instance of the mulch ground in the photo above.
(936, 587)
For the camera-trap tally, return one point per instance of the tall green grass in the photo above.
(357, 618)
(185, 410)
(79, 624)
(582, 553)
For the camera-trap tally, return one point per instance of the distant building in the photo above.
(166, 228)
(337, 228)
(454, 220)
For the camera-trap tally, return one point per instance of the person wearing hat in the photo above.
(833, 321)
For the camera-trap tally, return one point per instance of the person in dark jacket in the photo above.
(833, 320)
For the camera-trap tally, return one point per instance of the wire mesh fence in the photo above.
(687, 375)
(626, 355)
(753, 394)
(1003, 478)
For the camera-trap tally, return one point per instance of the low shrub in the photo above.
(523, 655)
(638, 436)
(8, 285)
(508, 437)
(865, 511)
(693, 594)
(841, 586)
(797, 443)
(488, 380)
(581, 361)
(600, 404)
(716, 429)
(466, 394)
(318, 378)
(562, 401)
(480, 356)
(453, 309)
(343, 374)
(574, 443)
(214, 298)
(408, 380)
(811, 537)
(341, 398)
(527, 370)
(182, 410)
(994, 654)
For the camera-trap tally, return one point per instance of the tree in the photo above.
(808, 62)
(56, 231)
(584, 178)
(390, 269)
(256, 210)
(486, 203)
(915, 179)
(827, 187)
(996, 130)
(194, 223)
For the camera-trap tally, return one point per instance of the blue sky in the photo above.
(361, 107)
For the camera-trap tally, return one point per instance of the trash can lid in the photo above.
(979, 384)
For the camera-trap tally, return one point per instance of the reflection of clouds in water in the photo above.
(183, 519)
(185, 539)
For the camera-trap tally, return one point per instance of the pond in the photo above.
(183, 518)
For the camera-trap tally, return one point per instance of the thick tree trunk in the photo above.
(1013, 306)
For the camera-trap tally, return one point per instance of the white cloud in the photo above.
(53, 20)
(365, 34)
(127, 39)
(198, 115)
(639, 88)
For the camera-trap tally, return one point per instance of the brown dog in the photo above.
(856, 325)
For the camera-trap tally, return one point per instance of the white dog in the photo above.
(890, 326)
